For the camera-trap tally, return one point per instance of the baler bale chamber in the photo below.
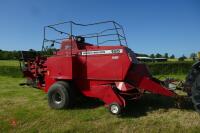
(96, 64)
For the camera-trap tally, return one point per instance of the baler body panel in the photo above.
(100, 66)
(59, 67)
(104, 66)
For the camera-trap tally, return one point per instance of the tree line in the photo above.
(9, 55)
(15, 55)
(167, 56)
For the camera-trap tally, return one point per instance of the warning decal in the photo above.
(97, 52)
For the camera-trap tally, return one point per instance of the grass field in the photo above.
(176, 59)
(24, 109)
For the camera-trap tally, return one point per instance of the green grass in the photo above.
(188, 59)
(170, 67)
(179, 77)
(9, 63)
(25, 109)
(10, 68)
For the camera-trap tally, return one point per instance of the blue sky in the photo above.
(151, 26)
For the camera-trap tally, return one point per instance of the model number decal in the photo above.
(97, 52)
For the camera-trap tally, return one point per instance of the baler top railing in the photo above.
(117, 28)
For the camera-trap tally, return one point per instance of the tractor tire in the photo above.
(115, 109)
(196, 93)
(60, 95)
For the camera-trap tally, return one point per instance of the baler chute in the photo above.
(109, 73)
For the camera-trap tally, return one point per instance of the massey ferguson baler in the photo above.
(110, 73)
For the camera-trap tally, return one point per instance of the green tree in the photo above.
(166, 55)
(182, 58)
(158, 55)
(193, 56)
(152, 56)
(172, 56)
(9, 55)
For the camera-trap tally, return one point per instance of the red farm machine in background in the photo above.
(76, 62)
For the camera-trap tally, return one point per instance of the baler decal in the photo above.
(97, 52)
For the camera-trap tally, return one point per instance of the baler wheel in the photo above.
(60, 96)
(115, 109)
(196, 93)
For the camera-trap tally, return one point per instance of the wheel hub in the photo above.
(57, 98)
(114, 109)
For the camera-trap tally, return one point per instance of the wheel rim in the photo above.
(57, 98)
(114, 109)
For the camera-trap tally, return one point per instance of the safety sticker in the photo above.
(97, 52)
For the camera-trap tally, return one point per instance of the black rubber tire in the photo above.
(192, 75)
(196, 93)
(117, 109)
(60, 95)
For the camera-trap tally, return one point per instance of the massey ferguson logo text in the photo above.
(114, 51)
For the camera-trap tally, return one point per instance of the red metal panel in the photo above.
(48, 82)
(153, 87)
(126, 64)
(104, 66)
(139, 77)
(59, 67)
(104, 93)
